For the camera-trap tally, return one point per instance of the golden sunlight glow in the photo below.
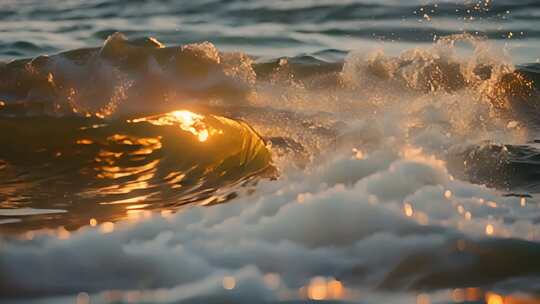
(491, 204)
(111, 164)
(408, 209)
(321, 288)
(472, 294)
(165, 213)
(106, 227)
(317, 289)
(335, 289)
(138, 214)
(93, 222)
(84, 142)
(29, 235)
(492, 298)
(447, 194)
(489, 229)
(62, 233)
(423, 299)
(417, 154)
(358, 154)
(186, 120)
(229, 283)
(130, 200)
(422, 218)
(156, 42)
(138, 206)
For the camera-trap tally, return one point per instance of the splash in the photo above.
(123, 77)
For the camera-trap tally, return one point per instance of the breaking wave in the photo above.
(375, 174)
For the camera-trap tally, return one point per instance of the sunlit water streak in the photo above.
(109, 171)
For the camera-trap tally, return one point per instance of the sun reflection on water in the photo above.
(125, 169)
(229, 283)
(186, 120)
(327, 289)
(492, 298)
(322, 288)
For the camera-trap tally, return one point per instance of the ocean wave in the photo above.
(381, 160)
(107, 171)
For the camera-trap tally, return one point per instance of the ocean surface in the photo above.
(269, 151)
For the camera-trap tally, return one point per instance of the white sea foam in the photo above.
(327, 222)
